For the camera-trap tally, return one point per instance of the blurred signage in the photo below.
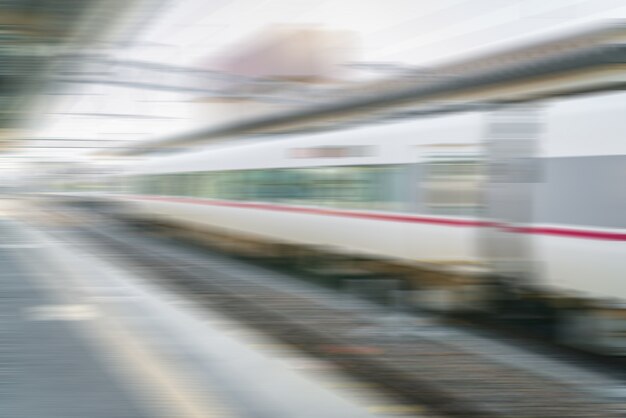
(331, 152)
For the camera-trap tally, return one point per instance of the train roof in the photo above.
(360, 145)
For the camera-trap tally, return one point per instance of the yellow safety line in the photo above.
(182, 400)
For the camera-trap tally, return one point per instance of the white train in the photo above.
(413, 190)
(530, 194)
(416, 192)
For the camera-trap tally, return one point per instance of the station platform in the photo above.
(49, 369)
(84, 337)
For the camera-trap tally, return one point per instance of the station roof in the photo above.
(592, 60)
(35, 37)
(130, 77)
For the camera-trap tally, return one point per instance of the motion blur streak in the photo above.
(312, 209)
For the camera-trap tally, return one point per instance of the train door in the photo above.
(452, 177)
(513, 170)
(511, 254)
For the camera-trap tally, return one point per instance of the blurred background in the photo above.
(99, 74)
(296, 208)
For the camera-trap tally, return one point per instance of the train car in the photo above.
(354, 190)
(417, 192)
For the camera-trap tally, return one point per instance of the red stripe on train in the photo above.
(562, 232)
(570, 233)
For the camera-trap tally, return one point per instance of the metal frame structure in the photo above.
(593, 60)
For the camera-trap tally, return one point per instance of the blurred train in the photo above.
(418, 193)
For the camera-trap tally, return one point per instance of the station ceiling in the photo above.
(36, 39)
(109, 77)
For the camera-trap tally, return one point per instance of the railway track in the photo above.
(443, 379)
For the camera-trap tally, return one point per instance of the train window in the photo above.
(147, 184)
(266, 185)
(358, 187)
(251, 189)
(157, 184)
(364, 187)
(154, 184)
(151, 185)
(173, 183)
(193, 184)
(224, 185)
(348, 187)
(321, 184)
(140, 185)
(290, 188)
(205, 184)
(232, 185)
(453, 187)
(298, 186)
(189, 186)
(166, 185)
(180, 182)
(390, 187)
(169, 183)
(221, 185)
